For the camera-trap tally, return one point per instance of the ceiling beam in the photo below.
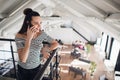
(2, 16)
(69, 8)
(92, 7)
(48, 3)
(18, 7)
(113, 18)
(79, 20)
(112, 4)
(105, 27)
(19, 14)
(117, 26)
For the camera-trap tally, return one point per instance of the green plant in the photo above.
(92, 67)
(88, 48)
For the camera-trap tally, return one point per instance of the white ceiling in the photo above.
(92, 16)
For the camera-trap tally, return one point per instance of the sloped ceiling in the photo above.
(92, 16)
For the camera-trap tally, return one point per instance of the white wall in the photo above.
(98, 41)
(78, 37)
(67, 35)
(103, 43)
(82, 30)
(114, 52)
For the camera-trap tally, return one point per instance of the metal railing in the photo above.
(40, 74)
(12, 53)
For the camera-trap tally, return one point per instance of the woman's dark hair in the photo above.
(28, 12)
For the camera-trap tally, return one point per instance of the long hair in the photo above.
(28, 12)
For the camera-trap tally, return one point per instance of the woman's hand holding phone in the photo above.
(31, 31)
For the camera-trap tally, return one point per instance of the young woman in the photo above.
(29, 45)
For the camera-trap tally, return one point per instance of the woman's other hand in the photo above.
(45, 53)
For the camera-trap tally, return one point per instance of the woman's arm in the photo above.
(23, 52)
(45, 50)
(54, 45)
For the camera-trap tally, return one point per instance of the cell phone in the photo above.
(29, 24)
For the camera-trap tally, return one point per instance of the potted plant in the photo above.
(92, 68)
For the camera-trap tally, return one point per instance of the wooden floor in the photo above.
(66, 60)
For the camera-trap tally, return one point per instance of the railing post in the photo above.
(13, 59)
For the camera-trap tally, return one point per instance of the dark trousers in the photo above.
(27, 74)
